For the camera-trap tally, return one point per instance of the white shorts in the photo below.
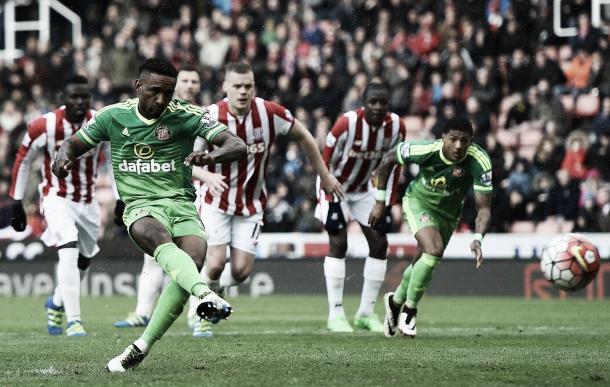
(356, 206)
(240, 232)
(68, 221)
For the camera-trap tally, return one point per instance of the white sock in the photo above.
(226, 277)
(374, 274)
(68, 281)
(149, 285)
(57, 297)
(142, 345)
(334, 271)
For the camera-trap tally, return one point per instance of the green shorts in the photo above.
(180, 218)
(419, 215)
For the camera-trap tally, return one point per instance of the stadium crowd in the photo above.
(540, 104)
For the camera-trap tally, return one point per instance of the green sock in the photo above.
(400, 294)
(169, 307)
(420, 278)
(181, 268)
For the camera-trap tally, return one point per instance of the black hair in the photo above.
(159, 66)
(240, 67)
(375, 86)
(76, 78)
(461, 124)
(188, 68)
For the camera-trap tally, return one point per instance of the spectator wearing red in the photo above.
(574, 159)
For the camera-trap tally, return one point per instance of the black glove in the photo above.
(119, 208)
(335, 221)
(18, 218)
(385, 225)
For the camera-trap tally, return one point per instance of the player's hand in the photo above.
(119, 209)
(216, 184)
(475, 247)
(18, 218)
(199, 158)
(61, 167)
(377, 214)
(331, 186)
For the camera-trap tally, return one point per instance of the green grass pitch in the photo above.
(280, 340)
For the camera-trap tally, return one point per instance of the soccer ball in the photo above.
(570, 262)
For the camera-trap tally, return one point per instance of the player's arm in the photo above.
(229, 148)
(328, 182)
(214, 181)
(482, 222)
(70, 150)
(389, 161)
(28, 150)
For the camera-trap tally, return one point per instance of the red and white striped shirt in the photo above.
(354, 149)
(247, 192)
(44, 136)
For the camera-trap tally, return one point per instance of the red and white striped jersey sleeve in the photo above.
(335, 140)
(282, 120)
(32, 144)
(394, 177)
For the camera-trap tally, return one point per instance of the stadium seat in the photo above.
(568, 103)
(530, 137)
(587, 105)
(567, 226)
(565, 53)
(414, 126)
(524, 227)
(527, 152)
(549, 226)
(507, 138)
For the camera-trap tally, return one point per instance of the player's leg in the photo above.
(374, 273)
(333, 219)
(334, 273)
(427, 227)
(149, 286)
(62, 232)
(393, 301)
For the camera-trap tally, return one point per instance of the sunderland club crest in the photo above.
(162, 133)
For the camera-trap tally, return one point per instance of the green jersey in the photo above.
(148, 155)
(442, 184)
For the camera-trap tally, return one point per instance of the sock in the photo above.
(334, 271)
(374, 274)
(400, 294)
(226, 277)
(57, 297)
(181, 268)
(170, 306)
(68, 281)
(149, 285)
(420, 278)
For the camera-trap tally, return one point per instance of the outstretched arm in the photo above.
(483, 201)
(214, 181)
(383, 173)
(229, 148)
(329, 183)
(70, 150)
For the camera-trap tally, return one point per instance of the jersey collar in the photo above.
(145, 120)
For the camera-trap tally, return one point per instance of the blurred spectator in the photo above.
(521, 111)
(598, 155)
(587, 38)
(549, 155)
(574, 158)
(601, 122)
(603, 202)
(545, 68)
(565, 196)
